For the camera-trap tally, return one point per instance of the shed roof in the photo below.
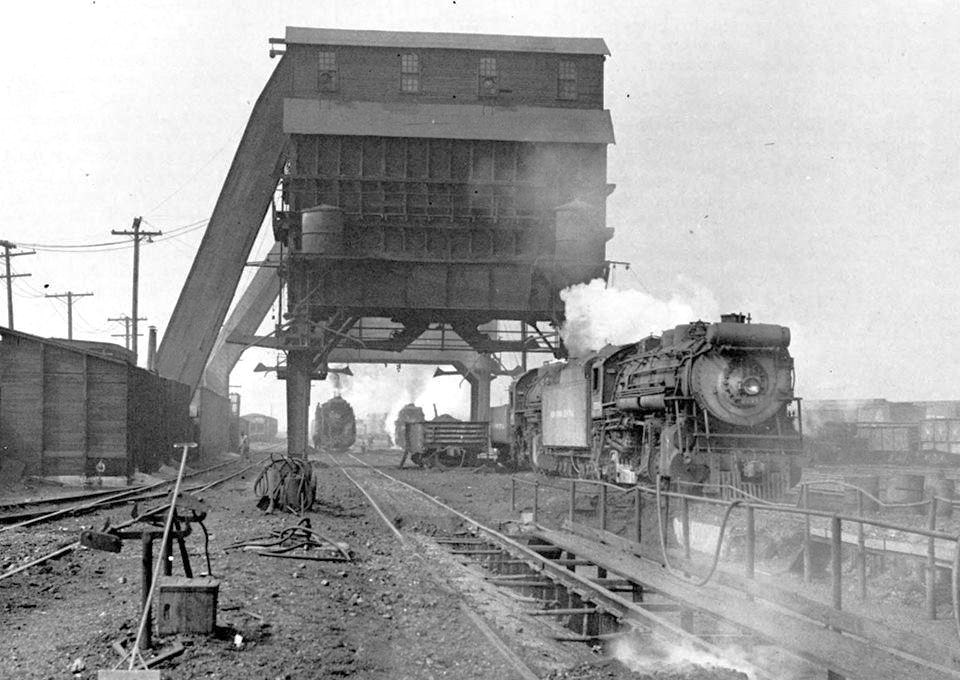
(79, 347)
(448, 121)
(300, 35)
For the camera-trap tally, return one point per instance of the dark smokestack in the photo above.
(152, 349)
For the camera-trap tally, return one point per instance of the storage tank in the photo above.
(321, 230)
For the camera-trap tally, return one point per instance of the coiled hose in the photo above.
(716, 553)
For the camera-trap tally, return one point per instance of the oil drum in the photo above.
(905, 489)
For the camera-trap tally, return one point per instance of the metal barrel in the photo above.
(905, 489)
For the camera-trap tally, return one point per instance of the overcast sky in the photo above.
(798, 161)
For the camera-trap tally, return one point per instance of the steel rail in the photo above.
(120, 497)
(67, 498)
(63, 550)
(511, 657)
(610, 602)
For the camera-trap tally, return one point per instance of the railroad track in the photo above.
(109, 501)
(27, 513)
(603, 593)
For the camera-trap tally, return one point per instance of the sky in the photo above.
(796, 161)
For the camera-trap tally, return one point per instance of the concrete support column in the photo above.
(480, 377)
(299, 368)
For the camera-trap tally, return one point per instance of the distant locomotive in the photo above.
(702, 402)
(335, 426)
(411, 413)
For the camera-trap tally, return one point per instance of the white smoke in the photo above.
(384, 390)
(597, 315)
(651, 656)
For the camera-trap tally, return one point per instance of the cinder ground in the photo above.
(387, 614)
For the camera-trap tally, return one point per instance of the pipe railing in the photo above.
(751, 506)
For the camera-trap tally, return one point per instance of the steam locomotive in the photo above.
(703, 402)
(335, 426)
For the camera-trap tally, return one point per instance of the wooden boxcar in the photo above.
(66, 407)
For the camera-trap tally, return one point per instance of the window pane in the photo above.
(567, 80)
(488, 66)
(410, 63)
(410, 82)
(328, 61)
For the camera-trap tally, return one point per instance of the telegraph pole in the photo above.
(69, 295)
(125, 320)
(7, 246)
(137, 235)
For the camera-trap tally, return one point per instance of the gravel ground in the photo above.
(393, 612)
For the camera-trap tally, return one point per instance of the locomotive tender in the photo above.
(703, 402)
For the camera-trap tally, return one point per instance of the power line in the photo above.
(107, 246)
(69, 295)
(137, 234)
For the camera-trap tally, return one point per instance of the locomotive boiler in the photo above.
(702, 402)
(335, 426)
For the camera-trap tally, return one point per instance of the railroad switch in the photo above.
(110, 539)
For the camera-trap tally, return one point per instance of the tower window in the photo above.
(489, 85)
(328, 79)
(410, 73)
(567, 80)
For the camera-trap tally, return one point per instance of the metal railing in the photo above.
(750, 506)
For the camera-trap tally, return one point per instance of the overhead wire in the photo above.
(106, 246)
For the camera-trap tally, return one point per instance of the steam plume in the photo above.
(598, 316)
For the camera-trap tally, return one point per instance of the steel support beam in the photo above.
(229, 237)
(299, 370)
(246, 318)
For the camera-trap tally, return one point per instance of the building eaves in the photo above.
(448, 121)
(298, 35)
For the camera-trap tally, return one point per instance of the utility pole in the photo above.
(126, 321)
(69, 295)
(7, 246)
(137, 235)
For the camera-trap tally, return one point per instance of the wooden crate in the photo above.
(186, 605)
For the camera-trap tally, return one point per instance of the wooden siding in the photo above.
(447, 76)
(63, 410)
(21, 402)
(215, 416)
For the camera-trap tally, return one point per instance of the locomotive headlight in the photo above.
(752, 386)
